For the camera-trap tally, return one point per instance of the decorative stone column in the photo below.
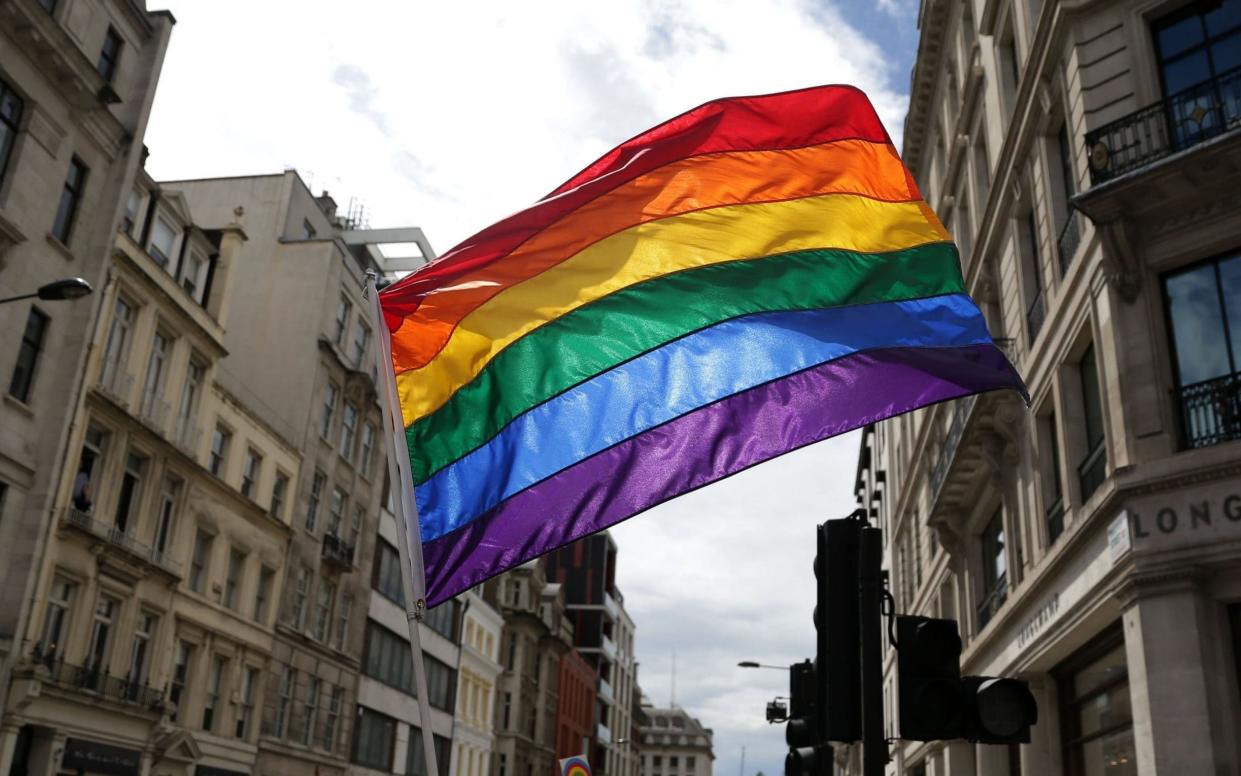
(1166, 624)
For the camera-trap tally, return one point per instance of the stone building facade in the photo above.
(153, 616)
(1085, 157)
(675, 744)
(77, 81)
(474, 731)
(536, 637)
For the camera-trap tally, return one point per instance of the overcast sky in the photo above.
(451, 115)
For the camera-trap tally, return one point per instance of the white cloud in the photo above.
(449, 116)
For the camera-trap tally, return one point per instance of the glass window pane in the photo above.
(1106, 669)
(1105, 711)
(1111, 755)
(1230, 286)
(1226, 55)
(1197, 325)
(1184, 73)
(1227, 16)
(1179, 36)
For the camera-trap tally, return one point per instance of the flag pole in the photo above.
(413, 576)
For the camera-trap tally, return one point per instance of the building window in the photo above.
(994, 569)
(368, 450)
(153, 406)
(416, 758)
(28, 353)
(180, 676)
(245, 709)
(138, 653)
(70, 197)
(1068, 238)
(300, 591)
(335, 701)
(59, 599)
(250, 470)
(310, 712)
(100, 641)
(1092, 469)
(263, 594)
(133, 211)
(232, 582)
(361, 336)
(355, 531)
(343, 611)
(10, 117)
(1096, 715)
(215, 680)
(374, 735)
(316, 497)
(162, 241)
(330, 392)
(308, 231)
(508, 711)
(337, 512)
(388, 658)
(169, 494)
(199, 559)
(1204, 314)
(109, 54)
(388, 572)
(219, 450)
(323, 609)
(84, 482)
(187, 413)
(131, 492)
(348, 427)
(279, 491)
(288, 680)
(1199, 50)
(1035, 310)
(440, 683)
(1054, 512)
(342, 320)
(194, 275)
(442, 619)
(116, 349)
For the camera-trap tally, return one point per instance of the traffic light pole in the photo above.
(870, 591)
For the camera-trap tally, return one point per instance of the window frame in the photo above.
(70, 201)
(26, 365)
(10, 125)
(110, 50)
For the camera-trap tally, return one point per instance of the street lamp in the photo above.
(752, 664)
(57, 290)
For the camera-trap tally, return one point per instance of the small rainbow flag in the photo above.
(575, 766)
(752, 276)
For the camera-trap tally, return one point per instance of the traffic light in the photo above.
(836, 619)
(928, 654)
(808, 754)
(997, 710)
(937, 703)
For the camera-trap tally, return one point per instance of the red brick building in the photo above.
(575, 710)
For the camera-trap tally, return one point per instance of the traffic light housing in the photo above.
(928, 659)
(837, 622)
(937, 703)
(808, 754)
(997, 710)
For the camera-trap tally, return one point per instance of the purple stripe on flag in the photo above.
(703, 446)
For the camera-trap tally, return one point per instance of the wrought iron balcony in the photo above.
(1173, 124)
(120, 538)
(96, 682)
(337, 551)
(960, 415)
(992, 602)
(1210, 411)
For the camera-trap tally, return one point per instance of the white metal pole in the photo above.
(413, 577)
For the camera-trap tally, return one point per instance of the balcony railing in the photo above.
(1035, 315)
(97, 682)
(960, 415)
(117, 537)
(1070, 238)
(337, 551)
(609, 647)
(992, 602)
(1210, 411)
(1173, 124)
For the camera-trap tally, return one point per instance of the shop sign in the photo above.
(94, 757)
(1186, 517)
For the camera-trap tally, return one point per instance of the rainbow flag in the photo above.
(752, 276)
(575, 766)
